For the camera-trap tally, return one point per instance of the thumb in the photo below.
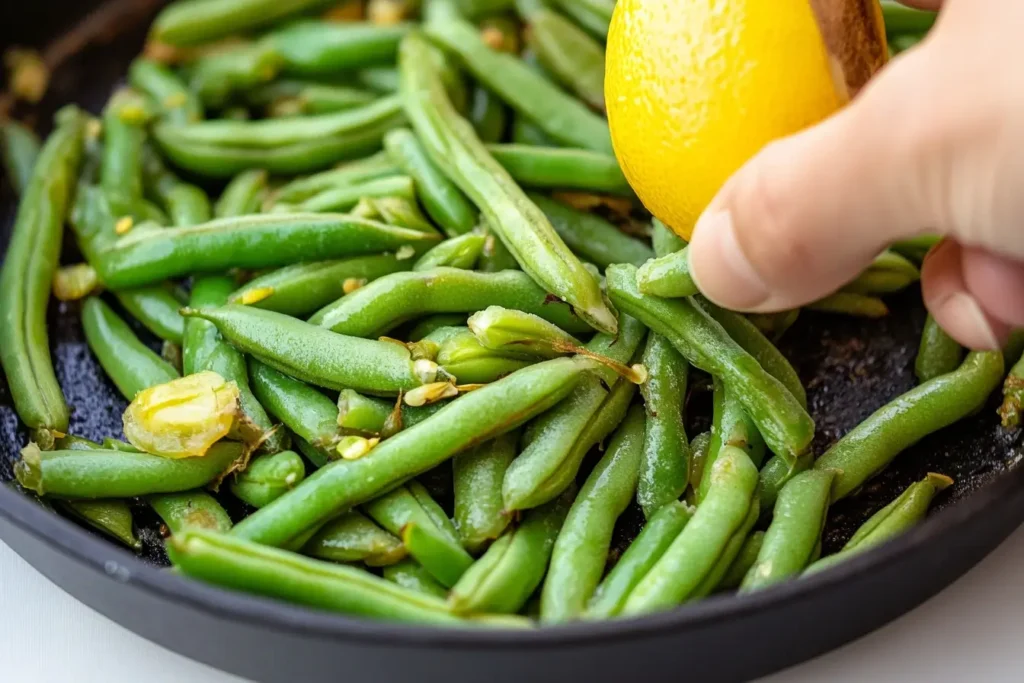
(810, 212)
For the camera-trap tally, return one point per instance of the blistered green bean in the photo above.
(479, 511)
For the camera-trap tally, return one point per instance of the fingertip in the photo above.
(720, 269)
(997, 282)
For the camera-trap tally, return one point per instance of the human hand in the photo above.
(934, 144)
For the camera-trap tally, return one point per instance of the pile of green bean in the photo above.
(422, 300)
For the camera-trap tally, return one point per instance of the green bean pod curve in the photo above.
(479, 513)
(409, 574)
(667, 276)
(458, 252)
(731, 426)
(505, 577)
(354, 538)
(27, 274)
(217, 78)
(560, 168)
(581, 549)
(268, 477)
(156, 308)
(468, 420)
(454, 147)
(243, 194)
(200, 21)
(870, 446)
(938, 354)
(663, 240)
(665, 465)
(146, 256)
(781, 419)
(21, 148)
(189, 510)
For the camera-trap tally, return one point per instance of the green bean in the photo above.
(468, 420)
(409, 574)
(459, 252)
(243, 195)
(371, 415)
(111, 517)
(746, 334)
(546, 167)
(938, 354)
(700, 447)
(370, 168)
(157, 309)
(520, 334)
(795, 532)
(730, 553)
(524, 132)
(381, 305)
(170, 94)
(25, 279)
(192, 22)
(488, 115)
(318, 48)
(129, 363)
(354, 538)
(292, 97)
(189, 510)
(555, 112)
(21, 147)
(667, 276)
(665, 241)
(112, 444)
(345, 197)
(878, 282)
(915, 248)
(204, 349)
(581, 549)
(775, 474)
(848, 303)
(731, 426)
(465, 358)
(217, 77)
(313, 354)
(440, 197)
(478, 473)
(124, 136)
(694, 553)
(186, 204)
(870, 446)
(118, 474)
(665, 465)
(556, 444)
(782, 421)
(569, 54)
(892, 520)
(303, 288)
(70, 442)
(380, 79)
(774, 325)
(243, 565)
(1013, 396)
(590, 236)
(146, 256)
(657, 535)
(900, 19)
(591, 15)
(525, 231)
(268, 477)
(505, 577)
(733, 577)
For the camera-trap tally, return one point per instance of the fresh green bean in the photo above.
(353, 172)
(468, 420)
(345, 197)
(412, 505)
(377, 416)
(591, 15)
(380, 79)
(730, 553)
(1013, 396)
(156, 308)
(440, 196)
(892, 520)
(505, 577)
(239, 563)
(354, 538)
(189, 510)
(848, 303)
(938, 354)
(124, 136)
(458, 252)
(731, 426)
(488, 115)
(557, 113)
(111, 517)
(393, 299)
(146, 256)
(700, 446)
(520, 333)
(409, 574)
(591, 236)
(667, 276)
(454, 147)
(524, 132)
(293, 97)
(21, 147)
(555, 168)
(268, 477)
(657, 535)
(665, 465)
(733, 577)
(795, 532)
(781, 419)
(775, 474)
(243, 195)
(464, 357)
(663, 240)
(321, 357)
(695, 552)
(478, 473)
(870, 446)
(129, 363)
(568, 53)
(192, 22)
(25, 279)
(217, 77)
(119, 474)
(170, 94)
(581, 549)
(318, 48)
(185, 204)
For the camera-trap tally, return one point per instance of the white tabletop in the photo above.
(971, 631)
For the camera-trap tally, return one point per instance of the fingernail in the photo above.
(724, 275)
(965, 315)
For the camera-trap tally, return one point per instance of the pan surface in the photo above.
(850, 368)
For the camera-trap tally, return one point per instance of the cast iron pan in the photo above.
(850, 368)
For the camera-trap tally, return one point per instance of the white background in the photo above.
(972, 631)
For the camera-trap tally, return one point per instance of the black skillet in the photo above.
(850, 367)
